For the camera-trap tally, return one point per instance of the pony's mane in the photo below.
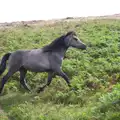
(57, 43)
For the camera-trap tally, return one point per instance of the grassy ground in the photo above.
(95, 73)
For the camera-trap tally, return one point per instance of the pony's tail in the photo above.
(3, 62)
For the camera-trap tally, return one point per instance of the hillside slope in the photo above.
(95, 73)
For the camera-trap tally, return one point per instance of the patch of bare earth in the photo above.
(3, 115)
(1, 111)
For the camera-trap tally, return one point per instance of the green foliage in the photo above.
(94, 74)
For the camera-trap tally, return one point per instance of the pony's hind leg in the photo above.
(4, 79)
(23, 72)
(50, 76)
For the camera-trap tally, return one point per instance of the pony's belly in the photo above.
(37, 67)
(37, 71)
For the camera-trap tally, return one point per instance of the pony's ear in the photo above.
(70, 33)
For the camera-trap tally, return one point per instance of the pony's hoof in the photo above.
(73, 89)
(0, 92)
(30, 91)
(40, 90)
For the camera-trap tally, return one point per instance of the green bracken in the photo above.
(94, 73)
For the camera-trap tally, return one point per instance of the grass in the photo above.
(95, 73)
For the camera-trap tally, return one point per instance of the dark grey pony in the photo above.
(47, 59)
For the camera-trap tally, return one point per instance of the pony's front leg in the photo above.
(64, 76)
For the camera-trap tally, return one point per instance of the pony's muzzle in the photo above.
(83, 47)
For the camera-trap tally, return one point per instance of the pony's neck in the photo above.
(61, 51)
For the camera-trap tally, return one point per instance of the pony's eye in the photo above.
(76, 39)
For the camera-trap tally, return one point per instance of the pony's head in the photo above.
(71, 40)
